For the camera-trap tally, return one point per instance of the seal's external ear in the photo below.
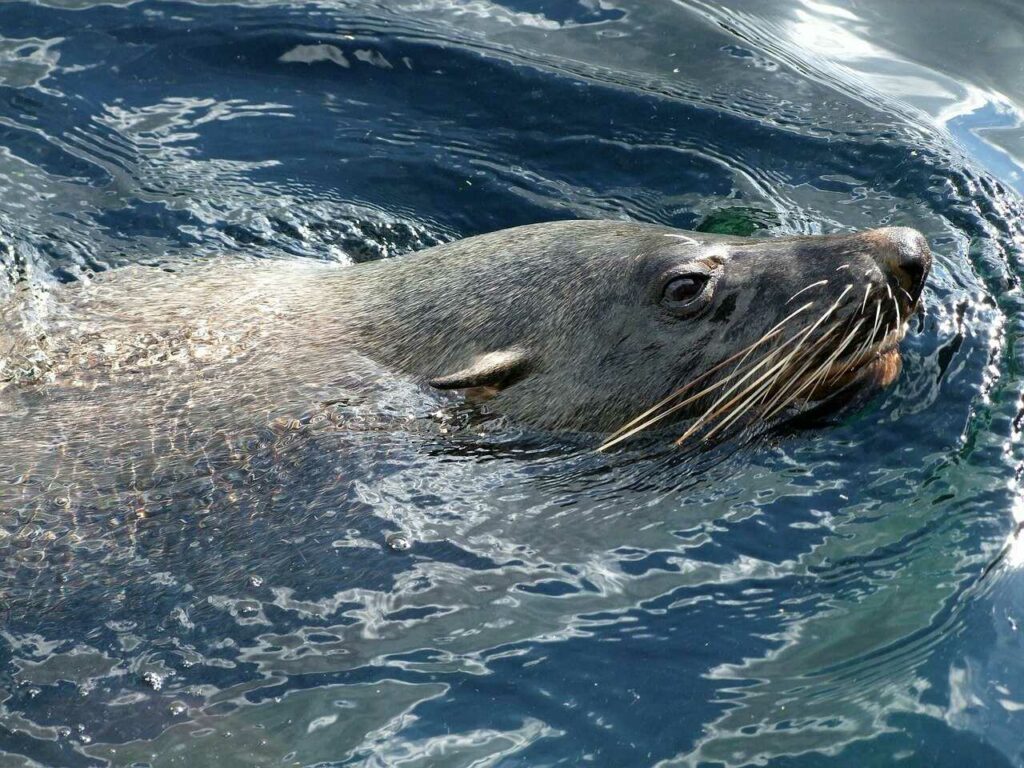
(494, 369)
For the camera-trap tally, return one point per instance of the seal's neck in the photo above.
(402, 314)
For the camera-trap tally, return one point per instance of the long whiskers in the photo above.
(714, 408)
(630, 431)
(815, 378)
(778, 370)
(760, 394)
(648, 417)
(717, 407)
(806, 288)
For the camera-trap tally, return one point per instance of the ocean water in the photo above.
(846, 595)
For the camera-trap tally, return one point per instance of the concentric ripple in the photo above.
(844, 595)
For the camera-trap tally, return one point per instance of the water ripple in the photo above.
(234, 599)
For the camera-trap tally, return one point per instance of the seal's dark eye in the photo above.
(683, 289)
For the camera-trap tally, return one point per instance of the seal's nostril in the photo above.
(911, 275)
(903, 253)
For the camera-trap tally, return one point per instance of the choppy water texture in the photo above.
(847, 596)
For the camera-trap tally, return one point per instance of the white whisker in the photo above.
(716, 406)
(776, 371)
(788, 395)
(765, 389)
(827, 368)
(630, 429)
(712, 409)
(807, 288)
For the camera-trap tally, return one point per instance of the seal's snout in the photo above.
(903, 254)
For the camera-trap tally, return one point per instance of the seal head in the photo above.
(617, 327)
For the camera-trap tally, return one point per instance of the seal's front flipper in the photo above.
(494, 369)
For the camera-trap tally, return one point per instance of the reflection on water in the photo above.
(903, 56)
(841, 596)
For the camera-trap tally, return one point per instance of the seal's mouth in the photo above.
(876, 367)
(880, 371)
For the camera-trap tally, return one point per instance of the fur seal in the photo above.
(604, 326)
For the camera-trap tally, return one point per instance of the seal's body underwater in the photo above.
(581, 325)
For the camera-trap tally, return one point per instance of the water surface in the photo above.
(844, 596)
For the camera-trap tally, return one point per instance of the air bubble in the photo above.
(399, 542)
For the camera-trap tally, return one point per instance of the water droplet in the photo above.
(178, 708)
(399, 542)
(153, 680)
(256, 581)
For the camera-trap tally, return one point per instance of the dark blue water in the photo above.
(849, 595)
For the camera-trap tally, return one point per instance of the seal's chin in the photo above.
(846, 391)
(873, 371)
(883, 370)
